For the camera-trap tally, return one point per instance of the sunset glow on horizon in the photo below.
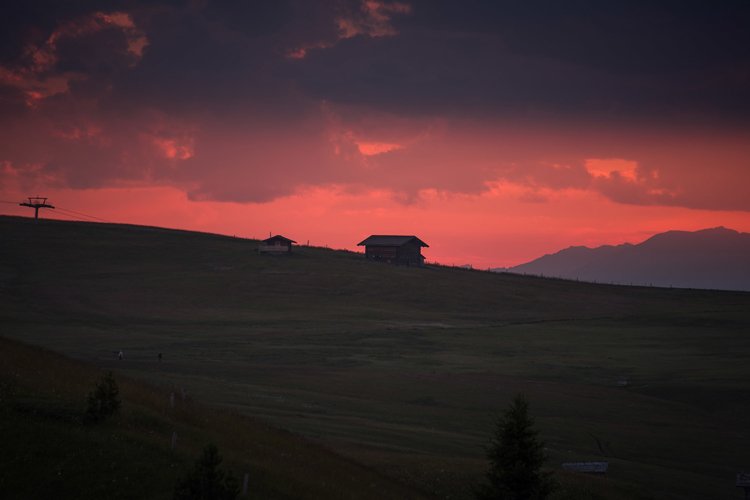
(494, 133)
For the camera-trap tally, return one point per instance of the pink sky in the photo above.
(498, 228)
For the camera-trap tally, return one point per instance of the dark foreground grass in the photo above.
(47, 452)
(402, 369)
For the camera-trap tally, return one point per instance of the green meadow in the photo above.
(47, 452)
(399, 371)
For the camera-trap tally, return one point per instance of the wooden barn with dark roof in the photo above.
(406, 250)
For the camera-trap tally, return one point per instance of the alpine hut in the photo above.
(406, 250)
(276, 245)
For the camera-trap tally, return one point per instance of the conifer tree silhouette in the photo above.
(516, 458)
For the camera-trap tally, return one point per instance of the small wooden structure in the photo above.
(276, 245)
(587, 467)
(406, 250)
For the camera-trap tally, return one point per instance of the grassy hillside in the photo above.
(401, 369)
(49, 453)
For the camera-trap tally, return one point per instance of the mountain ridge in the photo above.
(712, 258)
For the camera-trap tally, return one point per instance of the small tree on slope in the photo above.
(104, 401)
(516, 457)
(206, 481)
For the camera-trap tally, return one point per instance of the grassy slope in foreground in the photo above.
(48, 453)
(402, 368)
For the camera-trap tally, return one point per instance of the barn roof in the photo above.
(278, 237)
(387, 240)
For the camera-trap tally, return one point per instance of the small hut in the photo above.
(406, 250)
(276, 245)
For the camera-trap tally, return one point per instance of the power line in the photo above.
(73, 217)
(69, 216)
(36, 203)
(82, 214)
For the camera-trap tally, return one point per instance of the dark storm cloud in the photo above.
(247, 101)
(621, 36)
(603, 60)
(593, 59)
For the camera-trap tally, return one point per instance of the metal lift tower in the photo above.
(36, 202)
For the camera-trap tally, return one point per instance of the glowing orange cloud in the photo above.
(137, 40)
(35, 87)
(606, 167)
(372, 20)
(173, 149)
(376, 148)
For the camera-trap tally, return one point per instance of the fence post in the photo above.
(244, 484)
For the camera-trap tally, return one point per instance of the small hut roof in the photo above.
(278, 237)
(386, 240)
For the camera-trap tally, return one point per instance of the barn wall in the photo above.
(275, 248)
(408, 254)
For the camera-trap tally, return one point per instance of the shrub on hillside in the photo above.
(516, 457)
(205, 481)
(104, 401)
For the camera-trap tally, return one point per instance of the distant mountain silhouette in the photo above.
(717, 258)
